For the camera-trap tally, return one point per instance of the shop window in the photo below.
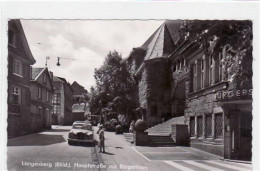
(208, 126)
(17, 67)
(219, 125)
(192, 126)
(199, 126)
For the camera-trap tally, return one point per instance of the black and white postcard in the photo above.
(129, 86)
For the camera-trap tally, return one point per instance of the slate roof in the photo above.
(36, 72)
(78, 89)
(162, 42)
(77, 108)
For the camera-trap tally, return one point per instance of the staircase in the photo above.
(160, 134)
(165, 128)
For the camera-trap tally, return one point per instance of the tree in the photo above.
(230, 39)
(114, 85)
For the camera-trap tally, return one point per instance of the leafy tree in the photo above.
(114, 85)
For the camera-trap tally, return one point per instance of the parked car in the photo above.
(81, 132)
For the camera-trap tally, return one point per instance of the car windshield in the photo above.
(82, 126)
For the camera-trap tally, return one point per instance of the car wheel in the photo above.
(70, 143)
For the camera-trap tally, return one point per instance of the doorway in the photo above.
(240, 139)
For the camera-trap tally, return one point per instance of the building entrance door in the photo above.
(240, 135)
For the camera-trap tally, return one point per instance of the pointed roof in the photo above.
(36, 72)
(162, 42)
(25, 44)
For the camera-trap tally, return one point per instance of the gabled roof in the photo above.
(78, 89)
(25, 44)
(162, 42)
(36, 72)
(77, 108)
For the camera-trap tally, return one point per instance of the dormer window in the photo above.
(11, 38)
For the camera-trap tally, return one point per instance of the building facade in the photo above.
(197, 69)
(62, 102)
(41, 98)
(19, 99)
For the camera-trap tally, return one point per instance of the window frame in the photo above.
(12, 38)
(192, 127)
(18, 93)
(216, 126)
(208, 118)
(47, 96)
(18, 71)
(39, 92)
(199, 134)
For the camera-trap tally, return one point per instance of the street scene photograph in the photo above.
(133, 95)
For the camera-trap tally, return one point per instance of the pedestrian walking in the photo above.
(101, 140)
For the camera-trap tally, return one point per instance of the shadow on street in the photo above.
(37, 140)
(57, 130)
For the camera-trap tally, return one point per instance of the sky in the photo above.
(86, 41)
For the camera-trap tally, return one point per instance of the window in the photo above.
(56, 109)
(16, 95)
(208, 126)
(17, 67)
(194, 78)
(11, 38)
(199, 126)
(219, 125)
(202, 73)
(39, 111)
(47, 96)
(211, 73)
(192, 126)
(39, 93)
(56, 98)
(44, 77)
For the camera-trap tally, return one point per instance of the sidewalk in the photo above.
(121, 155)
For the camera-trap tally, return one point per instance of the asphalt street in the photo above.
(49, 150)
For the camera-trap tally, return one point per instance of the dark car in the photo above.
(81, 132)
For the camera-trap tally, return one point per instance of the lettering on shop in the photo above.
(234, 94)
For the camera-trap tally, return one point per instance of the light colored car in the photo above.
(81, 132)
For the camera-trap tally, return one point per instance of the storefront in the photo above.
(237, 107)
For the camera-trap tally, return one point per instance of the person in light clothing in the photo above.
(101, 140)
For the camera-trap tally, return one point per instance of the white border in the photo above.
(128, 10)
